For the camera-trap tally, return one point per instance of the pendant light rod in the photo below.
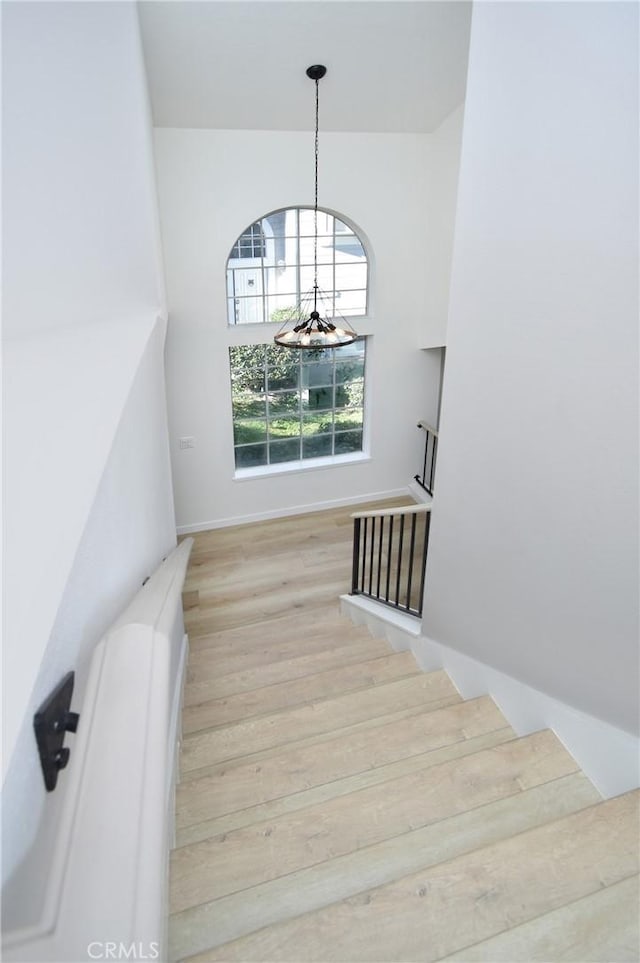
(316, 73)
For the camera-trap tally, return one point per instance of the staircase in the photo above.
(338, 804)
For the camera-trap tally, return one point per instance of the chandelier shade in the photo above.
(314, 322)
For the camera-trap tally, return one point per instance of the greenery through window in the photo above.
(271, 267)
(295, 405)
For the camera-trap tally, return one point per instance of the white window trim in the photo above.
(308, 464)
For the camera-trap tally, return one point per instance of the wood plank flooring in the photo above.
(337, 804)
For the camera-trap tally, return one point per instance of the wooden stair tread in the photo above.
(219, 684)
(296, 768)
(309, 688)
(209, 664)
(229, 918)
(316, 739)
(339, 787)
(206, 748)
(219, 613)
(445, 908)
(323, 615)
(604, 925)
(248, 856)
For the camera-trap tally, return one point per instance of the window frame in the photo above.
(259, 333)
(303, 412)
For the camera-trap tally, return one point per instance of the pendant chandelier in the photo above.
(314, 322)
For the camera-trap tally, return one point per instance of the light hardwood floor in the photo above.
(337, 804)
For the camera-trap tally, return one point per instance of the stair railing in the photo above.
(390, 556)
(430, 453)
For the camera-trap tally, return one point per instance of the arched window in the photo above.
(271, 266)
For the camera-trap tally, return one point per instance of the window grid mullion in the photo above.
(233, 285)
(263, 277)
(333, 266)
(267, 413)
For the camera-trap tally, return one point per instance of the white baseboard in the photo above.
(609, 756)
(397, 628)
(293, 510)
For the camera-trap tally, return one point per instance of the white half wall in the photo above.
(100, 526)
(107, 878)
(533, 562)
(214, 184)
(79, 221)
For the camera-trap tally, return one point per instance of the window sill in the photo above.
(309, 464)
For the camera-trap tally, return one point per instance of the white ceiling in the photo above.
(392, 66)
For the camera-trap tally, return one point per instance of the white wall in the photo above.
(443, 163)
(533, 564)
(80, 238)
(87, 490)
(212, 185)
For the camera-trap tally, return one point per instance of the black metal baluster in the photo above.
(380, 540)
(426, 455)
(364, 554)
(433, 464)
(389, 556)
(412, 545)
(356, 556)
(429, 463)
(373, 539)
(400, 542)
